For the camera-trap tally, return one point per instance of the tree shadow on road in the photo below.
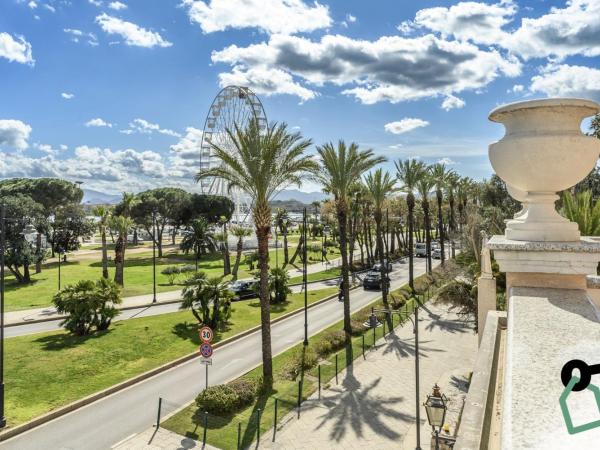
(406, 347)
(445, 324)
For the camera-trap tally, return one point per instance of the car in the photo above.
(372, 280)
(242, 289)
(421, 249)
(436, 253)
(377, 266)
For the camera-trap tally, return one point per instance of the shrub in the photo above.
(303, 359)
(245, 390)
(171, 272)
(358, 327)
(220, 399)
(187, 268)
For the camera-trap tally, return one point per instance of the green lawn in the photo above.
(138, 275)
(318, 276)
(48, 370)
(222, 431)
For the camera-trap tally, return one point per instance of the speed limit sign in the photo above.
(206, 334)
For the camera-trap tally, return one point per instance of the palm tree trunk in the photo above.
(410, 200)
(452, 219)
(286, 253)
(343, 222)
(104, 255)
(441, 225)
(119, 259)
(38, 250)
(383, 271)
(298, 250)
(238, 257)
(262, 220)
(427, 224)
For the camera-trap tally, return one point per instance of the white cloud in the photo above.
(350, 18)
(391, 68)
(405, 125)
(144, 127)
(67, 96)
(469, 21)
(567, 81)
(49, 7)
(267, 81)
(516, 89)
(117, 6)
(452, 102)
(14, 133)
(46, 148)
(64, 147)
(95, 2)
(572, 30)
(98, 122)
(32, 5)
(17, 50)
(133, 34)
(271, 16)
(446, 161)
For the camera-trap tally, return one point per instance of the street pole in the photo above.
(418, 405)
(305, 279)
(276, 247)
(2, 237)
(154, 257)
(58, 251)
(387, 234)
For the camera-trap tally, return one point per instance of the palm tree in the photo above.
(198, 237)
(439, 176)
(452, 180)
(240, 233)
(261, 163)
(581, 209)
(224, 239)
(209, 299)
(122, 225)
(409, 171)
(282, 221)
(128, 201)
(103, 213)
(380, 185)
(341, 167)
(424, 187)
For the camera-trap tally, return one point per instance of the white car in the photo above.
(421, 249)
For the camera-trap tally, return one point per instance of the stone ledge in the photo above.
(587, 244)
(474, 428)
(547, 328)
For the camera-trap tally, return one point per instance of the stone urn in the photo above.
(520, 196)
(543, 152)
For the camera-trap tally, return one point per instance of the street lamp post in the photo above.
(305, 278)
(435, 407)
(154, 257)
(2, 244)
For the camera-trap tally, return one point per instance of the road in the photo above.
(134, 313)
(101, 424)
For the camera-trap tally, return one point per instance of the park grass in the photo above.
(49, 370)
(332, 272)
(138, 275)
(222, 432)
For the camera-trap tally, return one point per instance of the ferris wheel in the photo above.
(233, 105)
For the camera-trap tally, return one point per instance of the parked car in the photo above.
(388, 265)
(373, 280)
(436, 253)
(242, 289)
(421, 249)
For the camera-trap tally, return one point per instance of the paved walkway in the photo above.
(161, 439)
(374, 404)
(49, 312)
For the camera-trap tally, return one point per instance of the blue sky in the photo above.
(115, 93)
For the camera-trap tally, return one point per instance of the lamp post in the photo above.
(305, 277)
(435, 407)
(58, 251)
(2, 243)
(154, 257)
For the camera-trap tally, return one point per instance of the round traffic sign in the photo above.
(206, 350)
(206, 334)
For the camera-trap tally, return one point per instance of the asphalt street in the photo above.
(105, 422)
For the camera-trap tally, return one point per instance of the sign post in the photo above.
(206, 350)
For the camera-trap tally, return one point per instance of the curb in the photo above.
(125, 308)
(11, 432)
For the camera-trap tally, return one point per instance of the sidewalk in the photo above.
(161, 439)
(374, 404)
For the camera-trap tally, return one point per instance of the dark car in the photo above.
(242, 289)
(372, 280)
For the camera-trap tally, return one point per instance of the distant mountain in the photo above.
(304, 197)
(91, 197)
